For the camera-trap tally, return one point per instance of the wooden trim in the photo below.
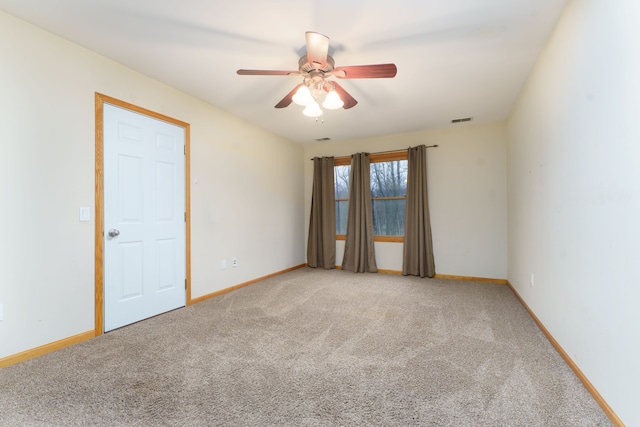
(99, 218)
(389, 157)
(44, 349)
(389, 198)
(471, 279)
(242, 285)
(374, 158)
(448, 277)
(123, 104)
(613, 417)
(396, 239)
(100, 100)
(187, 201)
(342, 161)
(383, 271)
(462, 278)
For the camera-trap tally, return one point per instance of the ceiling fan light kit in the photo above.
(303, 96)
(312, 110)
(316, 67)
(332, 101)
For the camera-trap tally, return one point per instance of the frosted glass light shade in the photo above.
(302, 96)
(332, 101)
(312, 110)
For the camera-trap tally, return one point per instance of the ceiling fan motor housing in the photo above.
(306, 67)
(315, 74)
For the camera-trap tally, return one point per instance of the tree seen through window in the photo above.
(389, 197)
(388, 194)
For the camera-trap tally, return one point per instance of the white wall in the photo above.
(467, 196)
(47, 88)
(574, 195)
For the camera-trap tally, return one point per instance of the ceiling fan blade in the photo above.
(287, 100)
(317, 49)
(267, 73)
(376, 71)
(349, 101)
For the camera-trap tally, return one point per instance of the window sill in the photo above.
(396, 239)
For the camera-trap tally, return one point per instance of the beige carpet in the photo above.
(312, 348)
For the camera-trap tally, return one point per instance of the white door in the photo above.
(144, 217)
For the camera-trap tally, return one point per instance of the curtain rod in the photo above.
(394, 151)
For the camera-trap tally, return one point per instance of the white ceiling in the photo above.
(455, 58)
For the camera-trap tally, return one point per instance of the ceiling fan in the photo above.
(316, 67)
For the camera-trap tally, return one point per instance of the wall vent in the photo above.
(326, 138)
(463, 119)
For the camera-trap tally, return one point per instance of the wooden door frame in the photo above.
(100, 100)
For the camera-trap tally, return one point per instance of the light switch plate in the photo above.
(85, 214)
(1, 312)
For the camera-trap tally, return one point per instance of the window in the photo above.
(341, 179)
(388, 194)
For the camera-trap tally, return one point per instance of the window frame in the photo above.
(376, 158)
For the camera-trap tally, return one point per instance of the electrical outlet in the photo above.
(234, 262)
(223, 264)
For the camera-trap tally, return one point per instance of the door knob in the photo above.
(114, 233)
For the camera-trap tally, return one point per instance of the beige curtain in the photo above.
(321, 244)
(359, 254)
(417, 253)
